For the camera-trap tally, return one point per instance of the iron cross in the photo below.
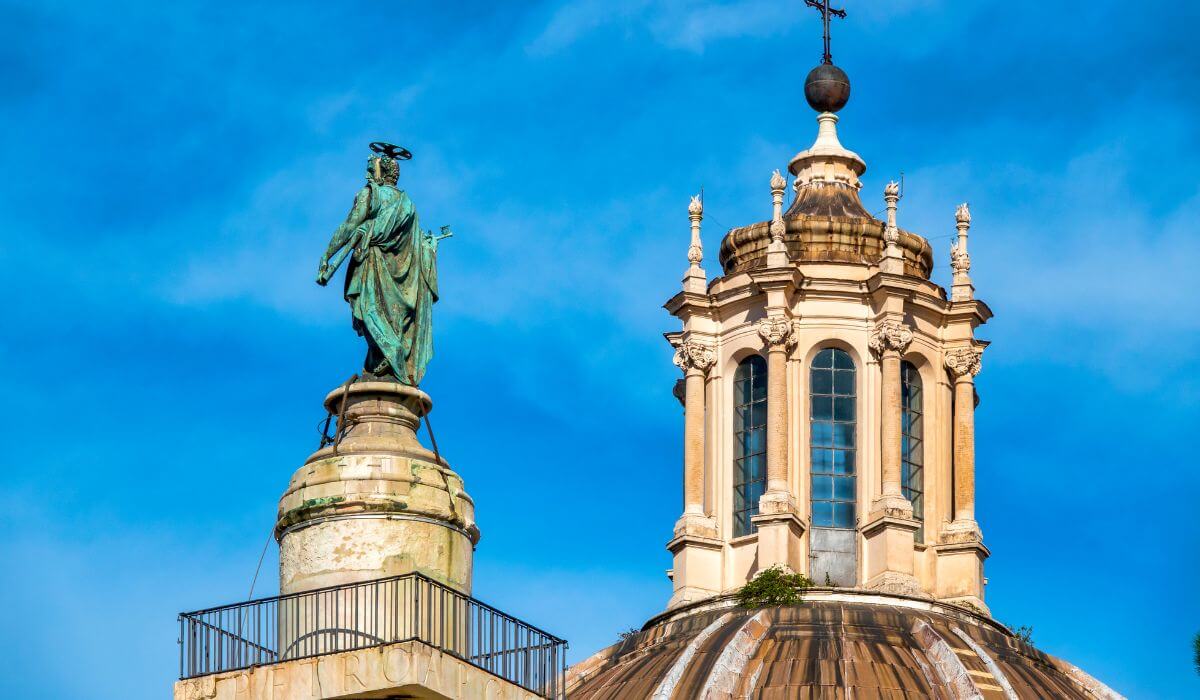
(826, 11)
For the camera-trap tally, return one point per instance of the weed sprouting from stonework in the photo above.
(773, 586)
(1024, 633)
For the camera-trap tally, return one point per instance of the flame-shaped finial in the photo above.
(696, 208)
(963, 215)
(778, 182)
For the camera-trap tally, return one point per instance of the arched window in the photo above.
(912, 443)
(750, 441)
(833, 439)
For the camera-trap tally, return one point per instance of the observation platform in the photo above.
(402, 636)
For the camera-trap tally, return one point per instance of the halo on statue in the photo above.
(391, 150)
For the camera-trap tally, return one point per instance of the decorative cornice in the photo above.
(692, 355)
(777, 330)
(890, 335)
(964, 362)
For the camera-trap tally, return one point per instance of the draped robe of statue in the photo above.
(391, 281)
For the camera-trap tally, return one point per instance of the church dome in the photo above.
(836, 644)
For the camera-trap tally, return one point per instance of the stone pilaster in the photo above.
(964, 364)
(696, 547)
(695, 359)
(889, 340)
(890, 531)
(778, 524)
(777, 333)
(960, 549)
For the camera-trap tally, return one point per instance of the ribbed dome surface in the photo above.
(828, 649)
(825, 223)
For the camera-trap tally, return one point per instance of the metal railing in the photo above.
(372, 613)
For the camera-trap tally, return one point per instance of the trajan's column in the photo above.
(374, 502)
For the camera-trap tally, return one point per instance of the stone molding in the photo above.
(897, 583)
(890, 335)
(960, 532)
(777, 330)
(692, 355)
(964, 362)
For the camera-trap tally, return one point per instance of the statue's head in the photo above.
(382, 169)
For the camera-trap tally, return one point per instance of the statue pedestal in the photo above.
(377, 503)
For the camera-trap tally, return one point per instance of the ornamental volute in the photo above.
(890, 335)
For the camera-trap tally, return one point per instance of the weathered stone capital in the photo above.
(692, 355)
(890, 335)
(964, 362)
(778, 330)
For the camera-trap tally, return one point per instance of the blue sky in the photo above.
(174, 170)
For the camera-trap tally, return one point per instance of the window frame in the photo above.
(747, 485)
(912, 442)
(833, 450)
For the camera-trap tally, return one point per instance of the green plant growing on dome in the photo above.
(1196, 652)
(773, 586)
(1024, 633)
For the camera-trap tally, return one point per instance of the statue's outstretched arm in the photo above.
(341, 237)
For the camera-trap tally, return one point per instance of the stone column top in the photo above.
(964, 363)
(410, 397)
(890, 335)
(777, 331)
(691, 355)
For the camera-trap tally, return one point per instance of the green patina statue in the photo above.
(391, 279)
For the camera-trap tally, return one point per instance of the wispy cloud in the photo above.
(676, 24)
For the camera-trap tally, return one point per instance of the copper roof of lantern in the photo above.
(827, 649)
(824, 224)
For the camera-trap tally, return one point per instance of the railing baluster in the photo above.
(371, 613)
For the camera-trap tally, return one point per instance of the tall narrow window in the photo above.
(833, 420)
(750, 441)
(912, 443)
(833, 541)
